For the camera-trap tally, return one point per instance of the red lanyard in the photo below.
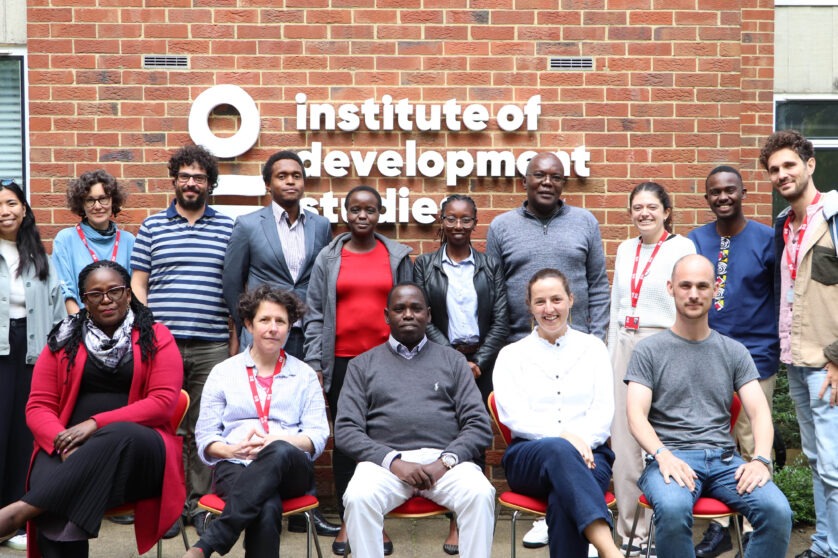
(792, 263)
(264, 412)
(636, 282)
(93, 254)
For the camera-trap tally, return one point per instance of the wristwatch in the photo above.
(762, 460)
(450, 460)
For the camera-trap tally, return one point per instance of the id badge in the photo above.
(790, 295)
(632, 323)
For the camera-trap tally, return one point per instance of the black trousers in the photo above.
(253, 499)
(15, 437)
(343, 466)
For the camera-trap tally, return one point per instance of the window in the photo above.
(12, 119)
(816, 117)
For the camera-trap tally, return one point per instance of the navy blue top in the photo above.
(748, 314)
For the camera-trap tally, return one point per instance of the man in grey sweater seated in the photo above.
(411, 415)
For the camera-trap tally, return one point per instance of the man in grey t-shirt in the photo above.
(680, 387)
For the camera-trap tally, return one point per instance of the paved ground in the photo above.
(412, 538)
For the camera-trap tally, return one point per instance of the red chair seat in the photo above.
(214, 504)
(418, 506)
(702, 507)
(525, 503)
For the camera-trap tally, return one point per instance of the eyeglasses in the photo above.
(540, 176)
(115, 294)
(184, 177)
(8, 182)
(104, 201)
(451, 221)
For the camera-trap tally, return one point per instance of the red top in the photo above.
(364, 280)
(151, 401)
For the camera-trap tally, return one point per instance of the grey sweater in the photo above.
(391, 403)
(570, 242)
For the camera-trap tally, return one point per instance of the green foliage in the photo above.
(795, 481)
(785, 417)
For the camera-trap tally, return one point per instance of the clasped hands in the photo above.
(251, 445)
(420, 477)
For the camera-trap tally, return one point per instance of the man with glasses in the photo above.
(546, 232)
(177, 263)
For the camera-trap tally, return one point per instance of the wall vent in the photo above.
(572, 63)
(164, 62)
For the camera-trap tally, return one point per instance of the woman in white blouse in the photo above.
(640, 306)
(553, 389)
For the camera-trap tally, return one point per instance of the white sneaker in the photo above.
(537, 536)
(18, 542)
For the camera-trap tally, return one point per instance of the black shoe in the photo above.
(746, 538)
(173, 531)
(297, 524)
(809, 553)
(127, 519)
(340, 548)
(388, 548)
(716, 540)
(200, 521)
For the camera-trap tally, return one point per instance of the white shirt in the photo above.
(292, 238)
(461, 300)
(655, 306)
(543, 390)
(17, 295)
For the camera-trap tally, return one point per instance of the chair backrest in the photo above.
(180, 410)
(504, 430)
(735, 407)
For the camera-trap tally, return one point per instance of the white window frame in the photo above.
(805, 2)
(20, 51)
(828, 143)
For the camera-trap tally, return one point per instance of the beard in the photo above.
(191, 205)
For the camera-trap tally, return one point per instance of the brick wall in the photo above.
(679, 86)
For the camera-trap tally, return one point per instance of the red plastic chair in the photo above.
(127, 509)
(214, 505)
(704, 508)
(520, 503)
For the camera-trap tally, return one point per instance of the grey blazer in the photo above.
(254, 256)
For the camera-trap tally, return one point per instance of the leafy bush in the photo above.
(795, 481)
(785, 417)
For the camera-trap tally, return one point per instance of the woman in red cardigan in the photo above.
(103, 391)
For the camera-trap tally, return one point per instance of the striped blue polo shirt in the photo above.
(184, 264)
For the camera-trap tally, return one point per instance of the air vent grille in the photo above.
(572, 63)
(165, 62)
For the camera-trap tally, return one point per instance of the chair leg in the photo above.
(735, 524)
(514, 540)
(637, 511)
(183, 533)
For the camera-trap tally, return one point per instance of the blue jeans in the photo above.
(766, 507)
(551, 468)
(819, 438)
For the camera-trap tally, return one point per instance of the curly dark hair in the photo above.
(786, 139)
(143, 318)
(268, 167)
(445, 202)
(249, 302)
(662, 195)
(78, 189)
(189, 154)
(29, 246)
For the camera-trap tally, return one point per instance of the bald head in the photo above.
(695, 266)
(546, 158)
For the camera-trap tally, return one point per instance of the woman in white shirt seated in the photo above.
(262, 425)
(554, 391)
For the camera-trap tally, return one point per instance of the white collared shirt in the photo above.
(292, 237)
(543, 390)
(461, 300)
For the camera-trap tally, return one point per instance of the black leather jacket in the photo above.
(492, 318)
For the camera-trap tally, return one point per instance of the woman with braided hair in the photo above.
(103, 391)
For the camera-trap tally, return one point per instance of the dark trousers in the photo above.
(343, 466)
(253, 499)
(552, 468)
(15, 437)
